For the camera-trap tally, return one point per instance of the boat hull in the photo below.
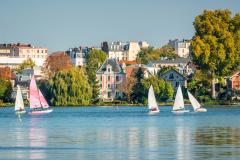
(180, 111)
(153, 112)
(41, 112)
(201, 110)
(20, 112)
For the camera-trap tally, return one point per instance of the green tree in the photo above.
(28, 63)
(213, 46)
(70, 87)
(167, 51)
(163, 90)
(150, 54)
(94, 60)
(138, 95)
(5, 90)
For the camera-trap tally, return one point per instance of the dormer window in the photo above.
(109, 68)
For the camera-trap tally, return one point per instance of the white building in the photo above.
(123, 51)
(78, 55)
(182, 48)
(14, 54)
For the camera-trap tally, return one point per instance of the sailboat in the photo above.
(196, 105)
(152, 103)
(38, 103)
(178, 106)
(19, 105)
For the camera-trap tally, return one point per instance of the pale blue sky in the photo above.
(62, 24)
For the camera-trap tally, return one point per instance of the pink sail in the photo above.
(43, 100)
(34, 95)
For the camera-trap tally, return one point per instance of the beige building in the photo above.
(182, 48)
(133, 51)
(14, 54)
(123, 51)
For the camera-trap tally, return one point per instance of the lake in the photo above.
(121, 133)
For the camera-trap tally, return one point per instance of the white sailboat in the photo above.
(19, 105)
(178, 106)
(38, 103)
(195, 104)
(152, 103)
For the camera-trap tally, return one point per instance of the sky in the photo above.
(63, 24)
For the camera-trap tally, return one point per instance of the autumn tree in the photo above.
(213, 45)
(127, 87)
(56, 62)
(5, 73)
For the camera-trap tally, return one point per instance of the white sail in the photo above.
(196, 105)
(152, 103)
(19, 105)
(179, 102)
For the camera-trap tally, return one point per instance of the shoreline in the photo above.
(133, 105)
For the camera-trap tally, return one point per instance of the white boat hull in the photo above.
(201, 110)
(154, 112)
(180, 111)
(41, 112)
(20, 112)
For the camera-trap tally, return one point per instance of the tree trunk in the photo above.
(213, 89)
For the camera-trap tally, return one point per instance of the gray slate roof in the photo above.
(115, 66)
(174, 61)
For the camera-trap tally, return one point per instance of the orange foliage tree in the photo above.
(56, 62)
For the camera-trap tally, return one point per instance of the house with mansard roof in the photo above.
(110, 76)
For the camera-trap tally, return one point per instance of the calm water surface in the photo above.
(120, 133)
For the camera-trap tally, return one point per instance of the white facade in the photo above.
(182, 48)
(13, 62)
(124, 51)
(14, 54)
(133, 51)
(78, 55)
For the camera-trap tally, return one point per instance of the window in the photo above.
(171, 76)
(117, 78)
(109, 85)
(109, 69)
(177, 83)
(108, 78)
(109, 94)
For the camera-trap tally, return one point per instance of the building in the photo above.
(133, 49)
(126, 51)
(175, 78)
(182, 48)
(143, 44)
(233, 85)
(132, 70)
(78, 55)
(182, 65)
(14, 54)
(110, 76)
(118, 51)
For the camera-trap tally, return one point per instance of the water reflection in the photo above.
(183, 140)
(217, 136)
(218, 142)
(37, 139)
